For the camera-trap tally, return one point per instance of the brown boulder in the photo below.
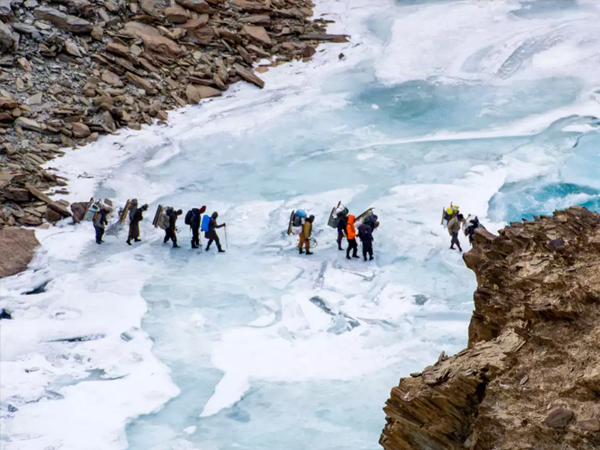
(17, 247)
(111, 78)
(192, 94)
(175, 14)
(141, 82)
(152, 7)
(199, 29)
(248, 76)
(258, 19)
(199, 6)
(52, 216)
(61, 20)
(208, 92)
(80, 130)
(259, 34)
(18, 195)
(153, 40)
(559, 418)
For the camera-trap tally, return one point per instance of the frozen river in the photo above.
(491, 105)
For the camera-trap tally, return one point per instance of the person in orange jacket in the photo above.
(351, 235)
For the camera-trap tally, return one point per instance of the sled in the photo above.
(334, 217)
(125, 211)
(289, 230)
(87, 215)
(367, 213)
(159, 211)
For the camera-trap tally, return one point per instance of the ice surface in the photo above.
(491, 105)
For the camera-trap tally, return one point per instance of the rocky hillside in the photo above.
(530, 377)
(73, 69)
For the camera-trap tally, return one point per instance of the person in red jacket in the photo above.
(351, 235)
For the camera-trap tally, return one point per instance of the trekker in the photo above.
(135, 217)
(471, 224)
(211, 234)
(365, 234)
(453, 228)
(195, 225)
(351, 235)
(100, 222)
(341, 228)
(170, 232)
(305, 235)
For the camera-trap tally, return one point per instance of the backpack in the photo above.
(297, 220)
(188, 217)
(363, 233)
(205, 223)
(164, 221)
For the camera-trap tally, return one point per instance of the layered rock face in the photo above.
(530, 377)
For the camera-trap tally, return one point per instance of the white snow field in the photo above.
(491, 105)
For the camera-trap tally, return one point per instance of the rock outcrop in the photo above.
(17, 247)
(530, 377)
(71, 70)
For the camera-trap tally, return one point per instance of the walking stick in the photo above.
(226, 245)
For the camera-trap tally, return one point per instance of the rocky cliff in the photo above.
(530, 377)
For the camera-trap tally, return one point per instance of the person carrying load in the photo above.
(339, 219)
(305, 235)
(453, 229)
(171, 230)
(100, 222)
(135, 217)
(448, 213)
(470, 225)
(193, 218)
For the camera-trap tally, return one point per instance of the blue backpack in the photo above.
(205, 223)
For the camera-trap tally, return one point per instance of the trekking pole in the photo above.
(226, 245)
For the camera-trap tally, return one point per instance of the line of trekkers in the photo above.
(165, 218)
(347, 225)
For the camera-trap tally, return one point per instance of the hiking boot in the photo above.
(308, 252)
(340, 247)
(355, 256)
(175, 246)
(371, 258)
(221, 251)
(300, 250)
(128, 242)
(137, 240)
(365, 258)
(347, 257)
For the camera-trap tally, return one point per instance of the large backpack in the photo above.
(164, 220)
(188, 217)
(205, 223)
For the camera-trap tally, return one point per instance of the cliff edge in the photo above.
(530, 377)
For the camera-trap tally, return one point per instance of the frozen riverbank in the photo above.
(267, 349)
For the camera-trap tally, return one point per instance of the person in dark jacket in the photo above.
(170, 232)
(100, 222)
(134, 223)
(195, 225)
(341, 229)
(365, 234)
(211, 234)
